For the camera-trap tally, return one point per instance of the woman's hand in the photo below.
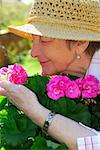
(20, 96)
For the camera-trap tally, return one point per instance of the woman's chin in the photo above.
(47, 72)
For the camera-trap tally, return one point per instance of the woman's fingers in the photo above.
(2, 91)
(11, 90)
(19, 95)
(7, 85)
(16, 92)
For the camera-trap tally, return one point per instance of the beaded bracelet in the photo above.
(48, 121)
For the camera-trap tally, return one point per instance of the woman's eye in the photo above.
(45, 40)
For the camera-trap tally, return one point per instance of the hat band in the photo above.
(70, 24)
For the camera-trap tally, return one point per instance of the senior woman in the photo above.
(66, 36)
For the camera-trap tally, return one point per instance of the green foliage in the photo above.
(13, 14)
(19, 132)
(30, 64)
(40, 143)
(96, 115)
(3, 101)
(15, 127)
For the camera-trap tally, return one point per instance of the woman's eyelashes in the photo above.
(45, 40)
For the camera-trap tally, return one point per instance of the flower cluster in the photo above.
(14, 73)
(59, 86)
(62, 86)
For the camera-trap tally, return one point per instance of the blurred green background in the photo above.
(13, 48)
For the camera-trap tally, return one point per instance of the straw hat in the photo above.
(62, 19)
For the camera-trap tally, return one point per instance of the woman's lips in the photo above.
(43, 62)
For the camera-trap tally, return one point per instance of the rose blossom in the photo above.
(16, 74)
(54, 92)
(56, 86)
(79, 82)
(60, 81)
(89, 89)
(60, 86)
(72, 90)
(91, 78)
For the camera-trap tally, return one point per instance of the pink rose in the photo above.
(72, 90)
(60, 86)
(90, 86)
(89, 89)
(79, 82)
(16, 74)
(56, 86)
(60, 81)
(54, 92)
(91, 78)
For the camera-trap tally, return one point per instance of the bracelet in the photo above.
(48, 121)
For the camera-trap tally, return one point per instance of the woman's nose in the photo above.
(35, 51)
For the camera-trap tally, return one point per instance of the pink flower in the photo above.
(91, 78)
(60, 86)
(60, 81)
(79, 82)
(56, 86)
(54, 92)
(16, 74)
(72, 90)
(3, 71)
(90, 87)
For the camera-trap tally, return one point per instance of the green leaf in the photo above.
(2, 148)
(37, 83)
(95, 110)
(3, 101)
(52, 144)
(40, 144)
(62, 147)
(57, 146)
(17, 128)
(3, 116)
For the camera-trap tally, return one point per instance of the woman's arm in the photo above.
(62, 129)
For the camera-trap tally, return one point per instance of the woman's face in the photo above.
(54, 55)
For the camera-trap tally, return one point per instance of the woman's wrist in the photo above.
(48, 121)
(37, 114)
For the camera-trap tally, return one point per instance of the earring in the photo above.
(78, 57)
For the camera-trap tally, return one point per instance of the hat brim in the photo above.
(54, 31)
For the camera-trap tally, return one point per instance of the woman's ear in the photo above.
(79, 47)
